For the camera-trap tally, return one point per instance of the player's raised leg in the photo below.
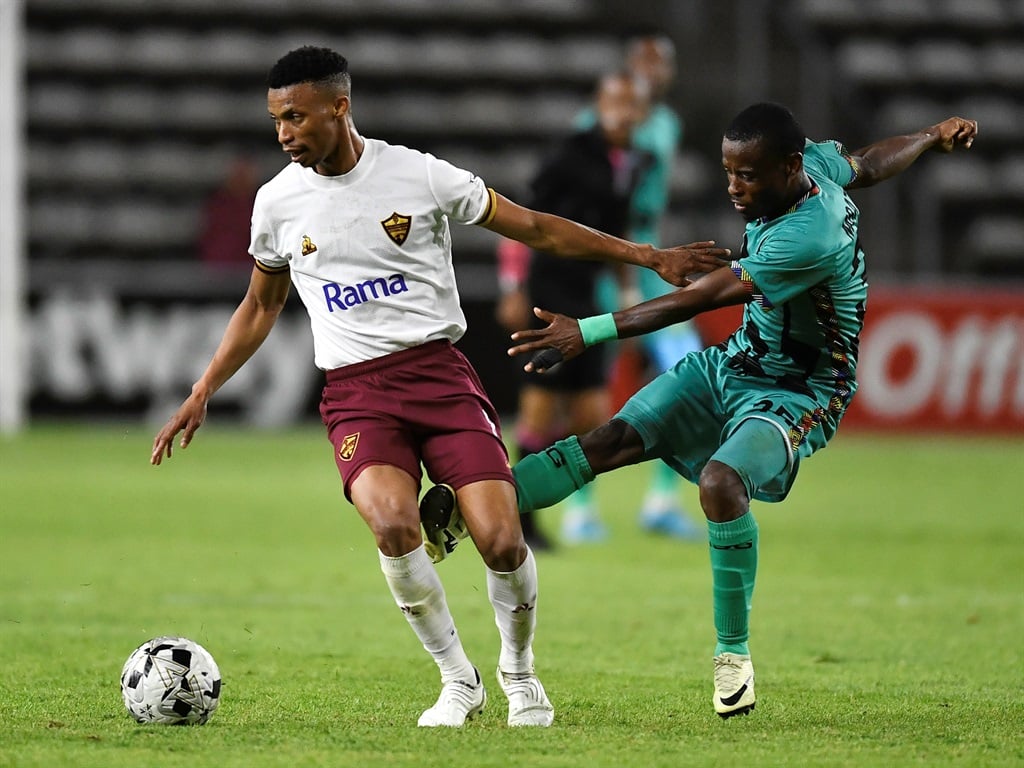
(547, 477)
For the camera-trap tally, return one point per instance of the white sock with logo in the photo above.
(514, 597)
(418, 591)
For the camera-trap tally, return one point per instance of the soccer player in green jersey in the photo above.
(736, 419)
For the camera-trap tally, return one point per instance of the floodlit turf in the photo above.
(888, 618)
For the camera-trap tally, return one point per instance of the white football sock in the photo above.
(514, 597)
(418, 591)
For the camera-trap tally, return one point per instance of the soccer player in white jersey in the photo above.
(361, 228)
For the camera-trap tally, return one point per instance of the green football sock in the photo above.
(733, 571)
(665, 480)
(547, 477)
(581, 502)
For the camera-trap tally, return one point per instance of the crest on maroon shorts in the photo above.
(348, 447)
(397, 227)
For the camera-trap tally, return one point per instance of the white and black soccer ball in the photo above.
(170, 680)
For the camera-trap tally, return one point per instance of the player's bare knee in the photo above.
(723, 497)
(394, 524)
(396, 538)
(503, 550)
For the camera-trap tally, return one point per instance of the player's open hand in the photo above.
(955, 131)
(189, 417)
(560, 340)
(675, 265)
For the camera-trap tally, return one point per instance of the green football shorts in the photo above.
(693, 413)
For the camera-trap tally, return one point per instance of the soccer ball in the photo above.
(170, 680)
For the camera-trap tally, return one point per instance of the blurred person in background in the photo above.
(737, 418)
(652, 56)
(589, 177)
(227, 212)
(361, 228)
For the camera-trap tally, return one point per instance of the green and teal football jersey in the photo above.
(807, 274)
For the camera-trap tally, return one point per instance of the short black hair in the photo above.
(771, 124)
(310, 64)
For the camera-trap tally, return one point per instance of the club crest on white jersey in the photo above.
(397, 227)
(369, 251)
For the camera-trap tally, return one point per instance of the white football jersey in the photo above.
(370, 251)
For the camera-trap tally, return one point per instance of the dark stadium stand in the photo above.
(910, 62)
(136, 108)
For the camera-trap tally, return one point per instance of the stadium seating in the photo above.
(909, 63)
(136, 108)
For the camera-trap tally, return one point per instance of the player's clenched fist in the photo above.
(954, 131)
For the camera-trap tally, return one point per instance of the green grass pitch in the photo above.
(887, 626)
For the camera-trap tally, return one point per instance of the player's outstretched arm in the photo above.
(889, 157)
(565, 238)
(247, 329)
(565, 337)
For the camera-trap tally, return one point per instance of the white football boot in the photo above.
(528, 705)
(734, 684)
(459, 702)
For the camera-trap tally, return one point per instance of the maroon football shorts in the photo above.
(421, 405)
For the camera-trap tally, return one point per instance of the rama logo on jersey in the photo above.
(345, 297)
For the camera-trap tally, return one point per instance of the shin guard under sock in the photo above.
(545, 478)
(733, 548)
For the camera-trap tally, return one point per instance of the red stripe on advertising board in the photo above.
(941, 360)
(931, 360)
